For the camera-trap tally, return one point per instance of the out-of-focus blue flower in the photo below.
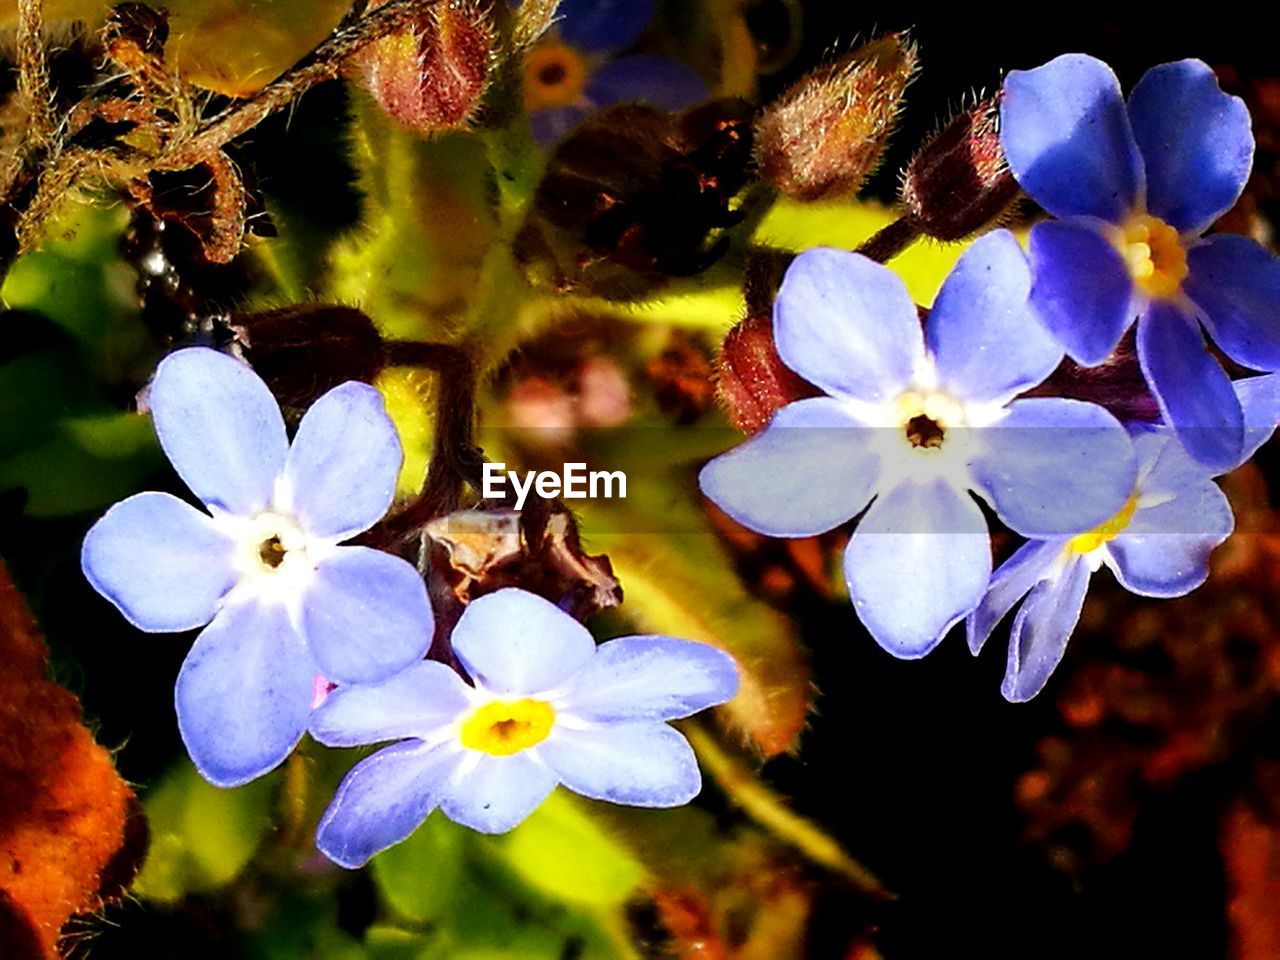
(547, 707)
(263, 568)
(576, 71)
(1157, 545)
(1133, 187)
(914, 421)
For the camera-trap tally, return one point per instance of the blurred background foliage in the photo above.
(988, 821)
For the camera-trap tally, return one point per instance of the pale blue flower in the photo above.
(284, 602)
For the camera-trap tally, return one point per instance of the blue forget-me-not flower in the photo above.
(577, 70)
(913, 421)
(1134, 186)
(284, 603)
(1157, 545)
(546, 707)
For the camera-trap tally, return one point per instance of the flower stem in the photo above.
(890, 241)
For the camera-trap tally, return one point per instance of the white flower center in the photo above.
(275, 557)
(926, 433)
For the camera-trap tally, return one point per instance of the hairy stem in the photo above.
(325, 62)
(33, 71)
(455, 460)
(890, 241)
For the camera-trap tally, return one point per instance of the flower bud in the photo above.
(432, 74)
(752, 381)
(303, 351)
(824, 136)
(959, 182)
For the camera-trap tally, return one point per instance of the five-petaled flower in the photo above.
(1157, 545)
(1134, 186)
(284, 603)
(912, 422)
(575, 72)
(547, 707)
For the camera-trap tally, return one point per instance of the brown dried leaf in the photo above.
(537, 549)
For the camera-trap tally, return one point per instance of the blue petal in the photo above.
(382, 800)
(1196, 143)
(1041, 630)
(1066, 134)
(220, 428)
(664, 82)
(1082, 288)
(1012, 580)
(244, 693)
(603, 25)
(549, 124)
(918, 562)
(847, 324)
(808, 471)
(1194, 393)
(1260, 399)
(987, 339)
(342, 468)
(495, 794)
(165, 565)
(1164, 551)
(1055, 467)
(417, 702)
(366, 615)
(652, 678)
(641, 764)
(1164, 467)
(1236, 282)
(515, 643)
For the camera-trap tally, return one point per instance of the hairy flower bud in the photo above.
(432, 74)
(959, 182)
(824, 136)
(752, 381)
(305, 350)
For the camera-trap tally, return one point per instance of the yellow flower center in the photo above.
(1154, 254)
(504, 727)
(555, 75)
(1091, 541)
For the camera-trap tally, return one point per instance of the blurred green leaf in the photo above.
(201, 835)
(78, 279)
(565, 854)
(794, 226)
(85, 464)
(423, 878)
(414, 264)
(231, 46)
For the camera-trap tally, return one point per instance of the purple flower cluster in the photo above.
(918, 419)
(290, 613)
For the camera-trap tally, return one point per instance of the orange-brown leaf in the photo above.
(69, 828)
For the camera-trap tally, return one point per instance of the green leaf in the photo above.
(794, 226)
(201, 835)
(415, 263)
(78, 279)
(562, 852)
(423, 877)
